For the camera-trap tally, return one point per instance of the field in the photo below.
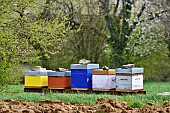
(13, 100)
(16, 92)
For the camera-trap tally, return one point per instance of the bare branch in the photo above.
(96, 30)
(157, 15)
(138, 16)
(101, 1)
(106, 7)
(117, 5)
(20, 13)
(107, 18)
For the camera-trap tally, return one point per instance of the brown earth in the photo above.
(55, 106)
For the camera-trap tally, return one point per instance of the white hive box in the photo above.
(129, 82)
(103, 82)
(129, 71)
(129, 79)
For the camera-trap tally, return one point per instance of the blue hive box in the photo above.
(84, 66)
(129, 71)
(81, 80)
(80, 68)
(81, 75)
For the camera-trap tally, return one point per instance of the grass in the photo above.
(152, 88)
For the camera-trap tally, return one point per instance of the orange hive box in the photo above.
(103, 72)
(58, 81)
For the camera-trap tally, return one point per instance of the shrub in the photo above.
(9, 74)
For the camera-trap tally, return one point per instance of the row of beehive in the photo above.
(49, 78)
(90, 76)
(87, 76)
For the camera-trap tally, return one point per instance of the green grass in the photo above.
(152, 88)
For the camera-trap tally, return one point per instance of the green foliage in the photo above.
(26, 36)
(119, 28)
(10, 75)
(31, 32)
(13, 45)
(156, 68)
(89, 42)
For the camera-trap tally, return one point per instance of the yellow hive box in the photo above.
(103, 72)
(36, 81)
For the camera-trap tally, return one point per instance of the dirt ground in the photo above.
(55, 106)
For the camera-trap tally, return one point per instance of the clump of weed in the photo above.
(136, 104)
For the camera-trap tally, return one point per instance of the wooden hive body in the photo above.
(129, 79)
(81, 75)
(103, 79)
(59, 79)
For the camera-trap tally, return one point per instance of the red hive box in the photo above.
(59, 80)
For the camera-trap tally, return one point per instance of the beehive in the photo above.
(59, 79)
(36, 78)
(36, 81)
(103, 79)
(81, 75)
(129, 79)
(104, 72)
(129, 71)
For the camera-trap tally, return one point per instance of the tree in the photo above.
(26, 36)
(47, 32)
(147, 48)
(90, 41)
(122, 17)
(147, 43)
(165, 19)
(9, 46)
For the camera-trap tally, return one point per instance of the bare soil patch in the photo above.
(55, 106)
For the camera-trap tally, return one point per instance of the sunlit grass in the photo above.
(16, 92)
